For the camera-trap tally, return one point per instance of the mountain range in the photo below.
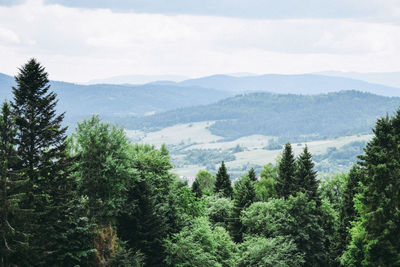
(127, 104)
(289, 84)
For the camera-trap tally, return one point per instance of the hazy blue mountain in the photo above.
(295, 117)
(289, 84)
(115, 101)
(138, 79)
(385, 78)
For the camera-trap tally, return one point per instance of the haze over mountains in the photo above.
(123, 103)
(384, 78)
(114, 101)
(289, 84)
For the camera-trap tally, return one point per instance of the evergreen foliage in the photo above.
(98, 200)
(347, 213)
(196, 189)
(11, 235)
(244, 196)
(376, 235)
(149, 213)
(306, 177)
(296, 218)
(222, 182)
(252, 175)
(286, 181)
(43, 160)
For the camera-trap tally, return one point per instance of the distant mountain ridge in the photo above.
(123, 103)
(294, 117)
(289, 84)
(112, 102)
(384, 78)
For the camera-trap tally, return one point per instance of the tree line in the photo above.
(95, 199)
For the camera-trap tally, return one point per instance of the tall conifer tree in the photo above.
(223, 182)
(376, 232)
(306, 177)
(252, 175)
(12, 239)
(43, 159)
(244, 195)
(286, 182)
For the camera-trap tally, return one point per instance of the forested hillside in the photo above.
(295, 117)
(96, 199)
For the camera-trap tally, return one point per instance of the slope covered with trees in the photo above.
(288, 116)
(95, 199)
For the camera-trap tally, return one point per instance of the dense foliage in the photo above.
(97, 199)
(292, 117)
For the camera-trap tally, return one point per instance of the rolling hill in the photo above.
(293, 117)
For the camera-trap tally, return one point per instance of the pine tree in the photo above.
(347, 213)
(306, 177)
(244, 195)
(286, 182)
(196, 188)
(11, 235)
(252, 175)
(223, 183)
(43, 159)
(376, 232)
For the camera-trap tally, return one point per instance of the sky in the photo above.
(78, 41)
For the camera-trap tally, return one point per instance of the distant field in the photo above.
(183, 138)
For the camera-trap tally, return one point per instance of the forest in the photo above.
(94, 198)
(291, 117)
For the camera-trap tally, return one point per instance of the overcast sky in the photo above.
(79, 41)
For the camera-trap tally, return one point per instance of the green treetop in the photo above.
(286, 181)
(223, 183)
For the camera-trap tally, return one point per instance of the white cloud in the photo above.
(83, 44)
(8, 36)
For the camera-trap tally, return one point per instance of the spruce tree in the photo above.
(347, 213)
(43, 159)
(196, 189)
(306, 177)
(286, 182)
(11, 235)
(223, 183)
(244, 195)
(376, 232)
(252, 175)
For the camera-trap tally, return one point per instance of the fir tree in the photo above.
(244, 195)
(347, 213)
(223, 183)
(306, 177)
(252, 175)
(286, 182)
(196, 189)
(43, 159)
(376, 232)
(11, 235)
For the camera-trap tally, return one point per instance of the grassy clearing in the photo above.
(197, 136)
